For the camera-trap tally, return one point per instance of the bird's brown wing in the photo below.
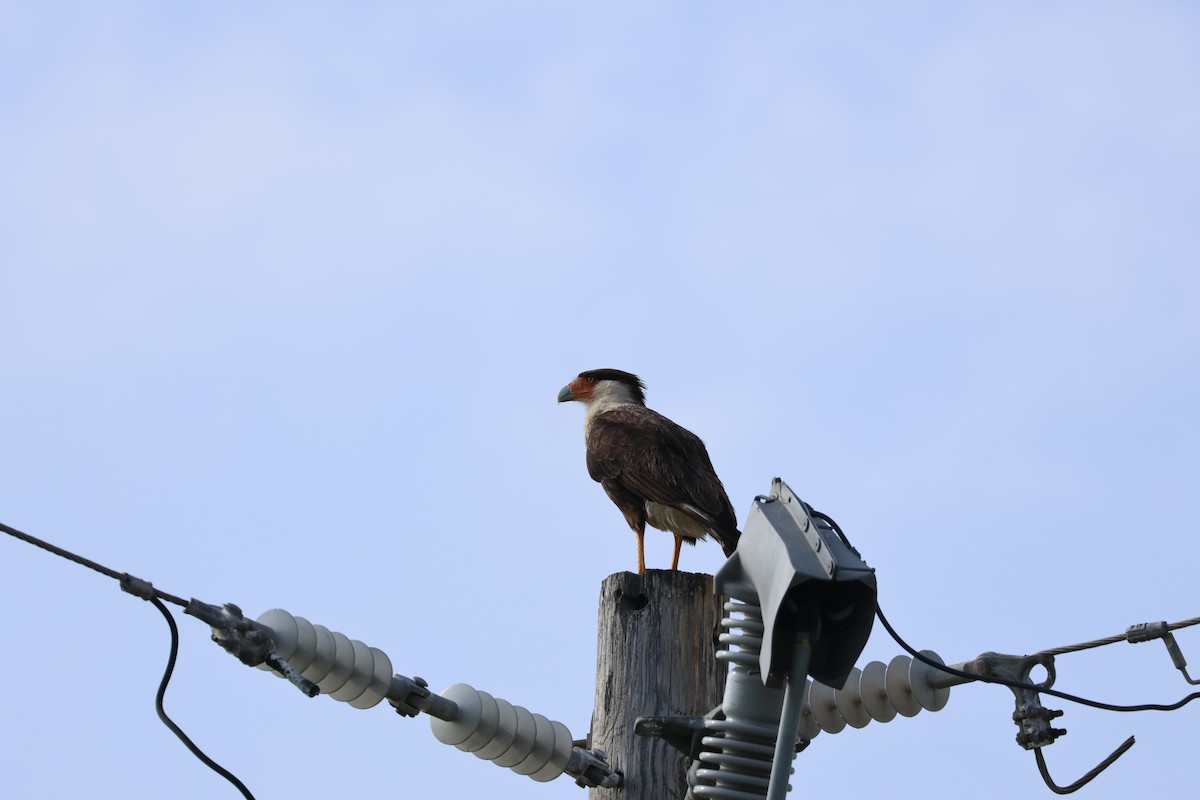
(653, 457)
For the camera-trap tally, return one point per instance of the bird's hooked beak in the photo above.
(578, 389)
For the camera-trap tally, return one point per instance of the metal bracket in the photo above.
(408, 695)
(590, 768)
(1030, 716)
(685, 733)
(682, 733)
(247, 641)
(1147, 631)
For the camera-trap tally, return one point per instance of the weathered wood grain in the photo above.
(656, 655)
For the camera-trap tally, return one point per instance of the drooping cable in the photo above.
(1091, 773)
(1031, 686)
(1134, 634)
(146, 591)
(1019, 684)
(166, 720)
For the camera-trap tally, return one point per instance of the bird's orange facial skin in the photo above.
(581, 388)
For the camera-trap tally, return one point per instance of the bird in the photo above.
(655, 471)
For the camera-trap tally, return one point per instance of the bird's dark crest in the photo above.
(635, 384)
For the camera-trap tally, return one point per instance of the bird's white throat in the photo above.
(606, 396)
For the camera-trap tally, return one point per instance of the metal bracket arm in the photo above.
(590, 768)
(1030, 716)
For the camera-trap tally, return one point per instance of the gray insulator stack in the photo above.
(473, 721)
(736, 761)
(345, 669)
(507, 735)
(877, 692)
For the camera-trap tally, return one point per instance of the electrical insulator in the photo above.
(735, 763)
(345, 669)
(877, 692)
(474, 721)
(507, 735)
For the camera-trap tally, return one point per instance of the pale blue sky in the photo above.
(289, 292)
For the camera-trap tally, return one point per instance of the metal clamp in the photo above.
(247, 641)
(590, 768)
(1148, 631)
(1031, 717)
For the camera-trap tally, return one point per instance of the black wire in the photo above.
(1093, 772)
(991, 679)
(162, 714)
(58, 551)
(837, 528)
(1023, 685)
(146, 591)
(86, 562)
(1041, 759)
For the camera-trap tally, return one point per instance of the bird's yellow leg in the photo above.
(675, 558)
(641, 540)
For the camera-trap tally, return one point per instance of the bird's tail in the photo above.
(728, 539)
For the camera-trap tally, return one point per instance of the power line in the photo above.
(1130, 635)
(135, 586)
(1137, 633)
(145, 590)
(1028, 705)
(1025, 685)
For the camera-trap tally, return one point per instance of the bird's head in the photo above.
(606, 386)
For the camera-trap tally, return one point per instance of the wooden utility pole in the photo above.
(655, 655)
